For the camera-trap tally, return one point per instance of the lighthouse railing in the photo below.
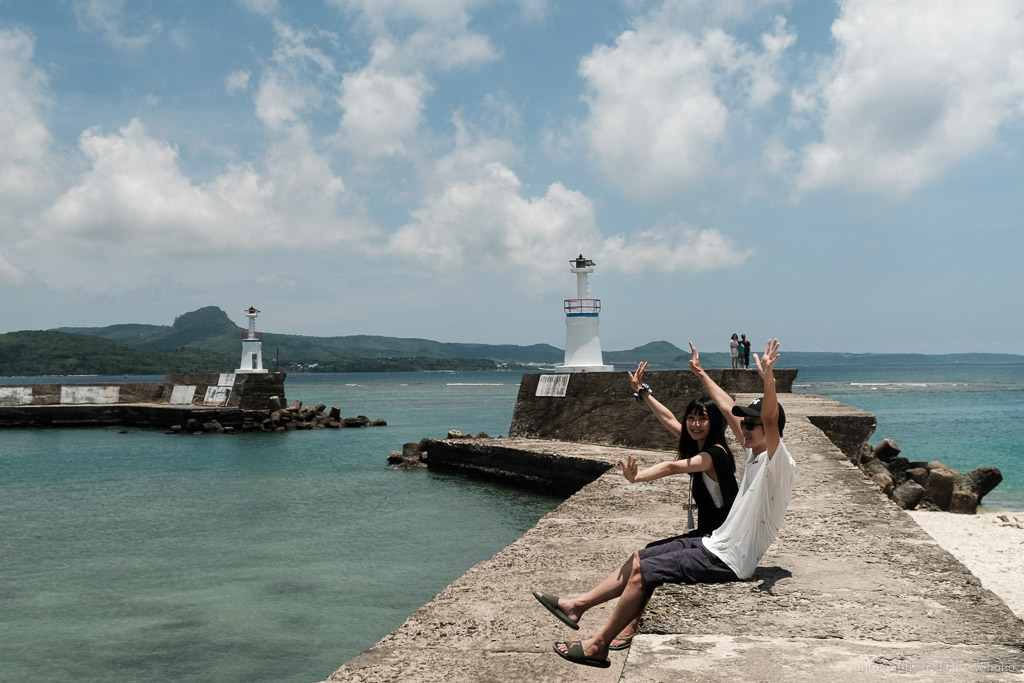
(248, 335)
(582, 306)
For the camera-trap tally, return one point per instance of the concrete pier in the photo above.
(179, 398)
(851, 591)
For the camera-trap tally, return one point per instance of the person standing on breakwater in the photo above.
(730, 553)
(744, 349)
(703, 454)
(734, 352)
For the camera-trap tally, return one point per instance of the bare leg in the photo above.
(609, 589)
(632, 627)
(633, 595)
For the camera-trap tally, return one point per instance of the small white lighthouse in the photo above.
(252, 347)
(582, 342)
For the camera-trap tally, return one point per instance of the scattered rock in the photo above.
(940, 486)
(411, 456)
(930, 485)
(908, 495)
(278, 419)
(456, 434)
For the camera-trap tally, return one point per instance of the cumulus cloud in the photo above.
(678, 248)
(108, 17)
(135, 196)
(660, 101)
(26, 162)
(382, 108)
(294, 81)
(484, 221)
(915, 87)
(477, 215)
(383, 102)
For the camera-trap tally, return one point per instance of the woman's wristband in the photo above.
(639, 393)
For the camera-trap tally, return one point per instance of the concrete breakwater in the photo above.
(852, 589)
(228, 398)
(186, 403)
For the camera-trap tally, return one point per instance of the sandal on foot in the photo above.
(623, 643)
(550, 603)
(576, 656)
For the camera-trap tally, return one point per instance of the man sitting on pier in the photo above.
(730, 553)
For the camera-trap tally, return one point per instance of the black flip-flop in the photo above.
(626, 642)
(576, 656)
(550, 603)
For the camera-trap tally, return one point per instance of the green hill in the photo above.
(207, 340)
(60, 353)
(210, 329)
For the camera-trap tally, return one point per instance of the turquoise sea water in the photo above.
(965, 416)
(270, 557)
(277, 557)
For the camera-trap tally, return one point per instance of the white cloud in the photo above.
(108, 17)
(237, 81)
(27, 167)
(9, 274)
(660, 101)
(915, 88)
(383, 102)
(477, 216)
(382, 108)
(135, 197)
(294, 81)
(265, 7)
(485, 222)
(679, 248)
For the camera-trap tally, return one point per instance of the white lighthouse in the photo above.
(252, 347)
(582, 342)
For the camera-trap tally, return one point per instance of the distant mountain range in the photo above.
(206, 340)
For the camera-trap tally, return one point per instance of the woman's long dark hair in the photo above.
(688, 447)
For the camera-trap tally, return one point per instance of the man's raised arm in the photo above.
(770, 402)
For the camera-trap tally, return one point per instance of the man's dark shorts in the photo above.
(682, 560)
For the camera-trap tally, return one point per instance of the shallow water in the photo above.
(965, 416)
(146, 556)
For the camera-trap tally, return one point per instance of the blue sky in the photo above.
(843, 176)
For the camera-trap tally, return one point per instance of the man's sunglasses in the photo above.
(748, 423)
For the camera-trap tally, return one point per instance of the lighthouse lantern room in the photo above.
(582, 341)
(252, 346)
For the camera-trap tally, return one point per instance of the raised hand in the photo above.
(637, 378)
(629, 468)
(767, 362)
(694, 359)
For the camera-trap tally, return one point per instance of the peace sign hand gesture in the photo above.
(636, 379)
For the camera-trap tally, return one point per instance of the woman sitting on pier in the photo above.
(703, 454)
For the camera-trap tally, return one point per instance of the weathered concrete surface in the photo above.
(852, 590)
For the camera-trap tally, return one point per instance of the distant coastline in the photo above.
(206, 340)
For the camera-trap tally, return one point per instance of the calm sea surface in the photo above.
(277, 557)
(268, 557)
(965, 416)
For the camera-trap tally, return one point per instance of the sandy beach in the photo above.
(990, 544)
